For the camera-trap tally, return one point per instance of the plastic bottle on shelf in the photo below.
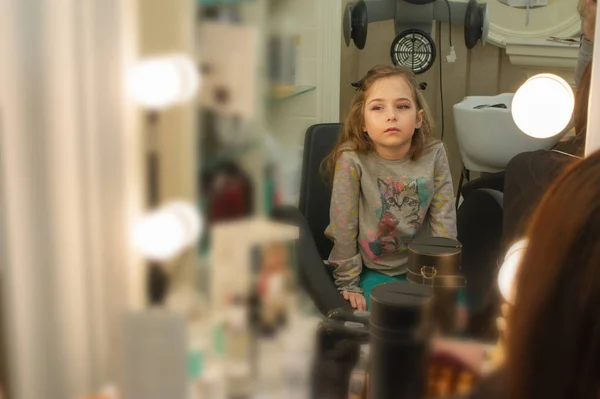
(206, 362)
(238, 348)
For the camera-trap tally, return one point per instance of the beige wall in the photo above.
(164, 28)
(480, 71)
(318, 59)
(290, 118)
(168, 27)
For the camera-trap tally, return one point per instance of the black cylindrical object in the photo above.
(435, 261)
(401, 320)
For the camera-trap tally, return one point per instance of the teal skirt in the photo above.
(369, 278)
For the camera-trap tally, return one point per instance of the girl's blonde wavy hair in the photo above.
(353, 138)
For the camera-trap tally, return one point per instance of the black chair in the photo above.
(312, 217)
(480, 212)
(479, 225)
(480, 230)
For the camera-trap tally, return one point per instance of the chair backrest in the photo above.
(315, 189)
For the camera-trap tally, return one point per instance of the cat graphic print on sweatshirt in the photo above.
(399, 201)
(378, 206)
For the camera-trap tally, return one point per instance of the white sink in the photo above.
(488, 138)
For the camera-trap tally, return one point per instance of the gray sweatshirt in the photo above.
(378, 206)
(586, 52)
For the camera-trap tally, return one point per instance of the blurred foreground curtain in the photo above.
(70, 184)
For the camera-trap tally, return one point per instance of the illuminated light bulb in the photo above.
(508, 271)
(167, 231)
(159, 82)
(543, 105)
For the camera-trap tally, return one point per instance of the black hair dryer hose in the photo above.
(400, 329)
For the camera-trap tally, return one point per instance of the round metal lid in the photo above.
(435, 246)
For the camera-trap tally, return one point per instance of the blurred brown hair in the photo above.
(554, 342)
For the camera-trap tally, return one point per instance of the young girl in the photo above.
(391, 181)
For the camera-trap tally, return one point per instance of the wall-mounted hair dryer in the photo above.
(413, 46)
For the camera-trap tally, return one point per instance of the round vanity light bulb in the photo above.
(159, 82)
(190, 219)
(165, 232)
(508, 271)
(543, 105)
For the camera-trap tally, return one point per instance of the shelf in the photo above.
(228, 154)
(221, 2)
(541, 55)
(295, 91)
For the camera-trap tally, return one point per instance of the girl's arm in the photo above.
(343, 225)
(442, 214)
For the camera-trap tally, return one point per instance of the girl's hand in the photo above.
(356, 299)
(589, 20)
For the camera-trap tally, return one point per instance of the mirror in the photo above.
(243, 159)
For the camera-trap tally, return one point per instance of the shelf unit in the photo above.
(221, 2)
(280, 118)
(283, 114)
(291, 92)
